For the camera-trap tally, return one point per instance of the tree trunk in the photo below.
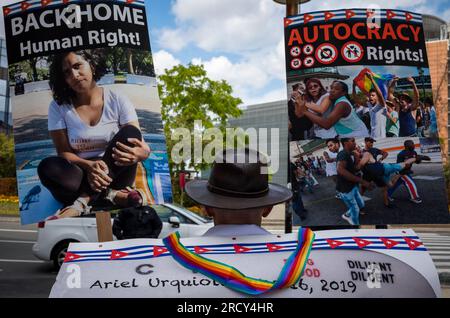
(130, 62)
(33, 62)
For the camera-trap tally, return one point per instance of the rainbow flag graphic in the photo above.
(365, 85)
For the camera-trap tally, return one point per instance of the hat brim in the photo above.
(197, 190)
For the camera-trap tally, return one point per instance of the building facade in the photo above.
(5, 110)
(437, 37)
(270, 116)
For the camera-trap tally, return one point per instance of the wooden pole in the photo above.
(104, 226)
(292, 7)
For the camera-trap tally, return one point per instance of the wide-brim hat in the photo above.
(236, 183)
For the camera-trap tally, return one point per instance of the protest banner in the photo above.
(346, 263)
(380, 51)
(63, 54)
(363, 74)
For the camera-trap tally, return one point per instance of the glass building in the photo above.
(5, 109)
(269, 116)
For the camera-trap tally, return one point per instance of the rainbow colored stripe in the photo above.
(232, 278)
(365, 85)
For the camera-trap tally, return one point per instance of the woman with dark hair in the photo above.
(342, 117)
(96, 135)
(318, 100)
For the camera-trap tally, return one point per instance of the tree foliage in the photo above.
(188, 95)
(7, 159)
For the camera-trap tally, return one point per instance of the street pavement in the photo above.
(22, 275)
(325, 209)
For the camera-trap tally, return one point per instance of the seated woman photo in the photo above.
(97, 138)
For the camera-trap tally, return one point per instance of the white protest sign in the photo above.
(346, 263)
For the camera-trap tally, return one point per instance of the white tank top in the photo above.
(320, 132)
(330, 168)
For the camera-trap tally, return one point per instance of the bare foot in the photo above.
(121, 199)
(124, 198)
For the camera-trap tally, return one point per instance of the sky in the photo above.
(240, 41)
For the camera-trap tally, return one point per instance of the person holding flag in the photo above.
(375, 87)
(377, 110)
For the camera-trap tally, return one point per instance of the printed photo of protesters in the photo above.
(378, 105)
(369, 181)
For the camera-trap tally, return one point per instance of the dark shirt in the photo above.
(403, 156)
(375, 152)
(407, 123)
(293, 177)
(342, 184)
(299, 126)
(374, 172)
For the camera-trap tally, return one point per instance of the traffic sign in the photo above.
(352, 52)
(308, 61)
(308, 49)
(296, 63)
(326, 53)
(295, 51)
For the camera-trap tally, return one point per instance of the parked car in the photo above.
(55, 236)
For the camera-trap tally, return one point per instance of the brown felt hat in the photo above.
(236, 182)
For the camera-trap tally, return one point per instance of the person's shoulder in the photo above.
(113, 93)
(54, 107)
(402, 153)
(108, 92)
(116, 98)
(342, 155)
(377, 150)
(325, 96)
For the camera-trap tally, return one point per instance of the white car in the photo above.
(55, 236)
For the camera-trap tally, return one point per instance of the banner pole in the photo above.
(104, 226)
(292, 7)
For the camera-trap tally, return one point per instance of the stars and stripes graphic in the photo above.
(348, 14)
(398, 243)
(29, 5)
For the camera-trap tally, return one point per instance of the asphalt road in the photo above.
(324, 209)
(21, 274)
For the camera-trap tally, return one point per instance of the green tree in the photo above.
(7, 159)
(187, 95)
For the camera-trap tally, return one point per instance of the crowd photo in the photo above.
(360, 104)
(349, 181)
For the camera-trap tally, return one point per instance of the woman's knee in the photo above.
(46, 165)
(60, 169)
(129, 131)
